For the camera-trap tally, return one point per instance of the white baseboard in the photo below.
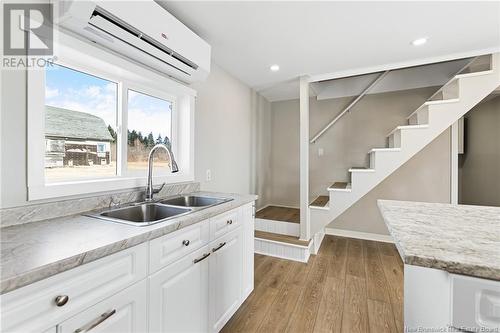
(359, 235)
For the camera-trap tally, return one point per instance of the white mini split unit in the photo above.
(142, 31)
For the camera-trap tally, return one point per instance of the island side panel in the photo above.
(426, 298)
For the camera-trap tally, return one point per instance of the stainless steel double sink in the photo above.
(147, 213)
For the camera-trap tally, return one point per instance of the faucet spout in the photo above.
(173, 168)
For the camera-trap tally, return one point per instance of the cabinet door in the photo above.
(225, 278)
(247, 221)
(178, 295)
(123, 312)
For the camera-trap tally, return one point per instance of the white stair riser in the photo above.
(339, 197)
(360, 178)
(282, 250)
(277, 227)
(379, 159)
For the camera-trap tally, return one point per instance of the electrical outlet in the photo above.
(321, 151)
(209, 175)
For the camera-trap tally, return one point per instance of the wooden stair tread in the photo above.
(321, 201)
(277, 213)
(361, 169)
(339, 185)
(280, 238)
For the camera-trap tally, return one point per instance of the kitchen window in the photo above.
(92, 121)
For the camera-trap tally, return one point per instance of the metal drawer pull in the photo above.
(99, 320)
(218, 247)
(185, 242)
(204, 256)
(61, 300)
(229, 221)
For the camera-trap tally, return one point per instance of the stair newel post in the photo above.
(304, 159)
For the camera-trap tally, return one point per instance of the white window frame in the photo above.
(157, 94)
(83, 56)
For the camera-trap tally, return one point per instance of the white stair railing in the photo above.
(356, 100)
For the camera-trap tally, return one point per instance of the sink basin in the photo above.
(142, 214)
(193, 201)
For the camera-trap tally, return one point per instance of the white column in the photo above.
(304, 159)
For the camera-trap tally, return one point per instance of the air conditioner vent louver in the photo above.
(140, 35)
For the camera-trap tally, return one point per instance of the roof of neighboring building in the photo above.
(66, 123)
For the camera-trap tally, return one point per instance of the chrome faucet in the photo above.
(173, 168)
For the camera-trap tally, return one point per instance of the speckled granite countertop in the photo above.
(460, 239)
(34, 251)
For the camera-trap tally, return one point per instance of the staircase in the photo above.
(471, 85)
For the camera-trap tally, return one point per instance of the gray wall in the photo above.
(479, 167)
(225, 124)
(224, 141)
(425, 177)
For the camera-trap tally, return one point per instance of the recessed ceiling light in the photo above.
(274, 68)
(419, 41)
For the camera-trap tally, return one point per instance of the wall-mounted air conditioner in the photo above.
(142, 31)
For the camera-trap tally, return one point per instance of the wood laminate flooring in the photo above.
(350, 286)
(278, 213)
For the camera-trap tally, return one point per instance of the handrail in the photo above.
(331, 123)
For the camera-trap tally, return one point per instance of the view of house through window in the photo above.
(149, 123)
(80, 125)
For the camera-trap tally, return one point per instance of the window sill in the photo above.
(89, 187)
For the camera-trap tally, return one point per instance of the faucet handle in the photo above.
(156, 190)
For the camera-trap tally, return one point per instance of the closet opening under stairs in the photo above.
(277, 229)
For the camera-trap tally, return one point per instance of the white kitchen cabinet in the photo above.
(124, 312)
(191, 280)
(178, 295)
(225, 266)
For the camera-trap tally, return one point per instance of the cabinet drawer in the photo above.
(33, 308)
(124, 312)
(224, 223)
(475, 303)
(167, 249)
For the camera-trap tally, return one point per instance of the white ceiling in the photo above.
(331, 37)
